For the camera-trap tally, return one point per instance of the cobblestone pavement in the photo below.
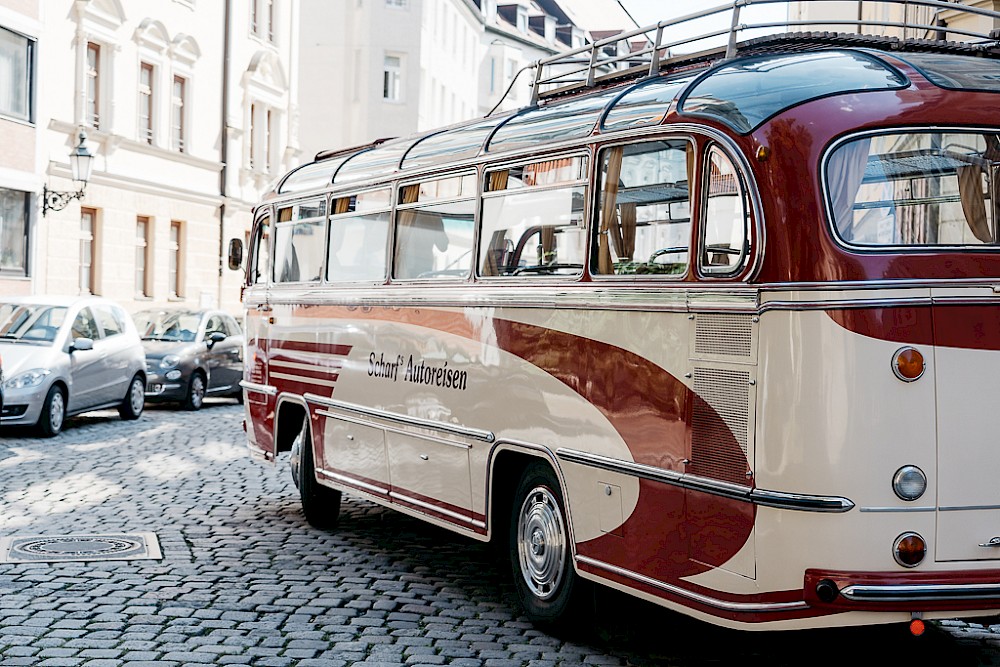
(244, 580)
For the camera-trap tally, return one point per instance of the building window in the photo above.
(391, 75)
(261, 130)
(14, 231)
(397, 4)
(177, 114)
(88, 241)
(16, 75)
(174, 249)
(93, 95)
(146, 103)
(142, 252)
(262, 22)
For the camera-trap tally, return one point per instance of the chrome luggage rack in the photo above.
(646, 52)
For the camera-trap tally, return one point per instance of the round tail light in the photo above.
(908, 364)
(909, 549)
(909, 483)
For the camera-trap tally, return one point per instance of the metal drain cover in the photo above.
(62, 548)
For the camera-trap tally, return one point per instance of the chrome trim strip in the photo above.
(744, 607)
(304, 380)
(393, 429)
(455, 429)
(351, 481)
(265, 389)
(435, 508)
(897, 509)
(316, 368)
(969, 507)
(763, 497)
(920, 592)
(259, 452)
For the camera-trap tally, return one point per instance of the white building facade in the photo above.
(373, 69)
(189, 107)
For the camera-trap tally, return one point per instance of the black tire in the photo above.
(135, 399)
(320, 504)
(50, 422)
(195, 397)
(541, 556)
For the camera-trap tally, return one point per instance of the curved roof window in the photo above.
(452, 144)
(745, 93)
(310, 176)
(646, 104)
(957, 72)
(552, 123)
(382, 160)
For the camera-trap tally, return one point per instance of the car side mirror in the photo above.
(215, 337)
(235, 254)
(81, 344)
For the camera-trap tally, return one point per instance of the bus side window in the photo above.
(359, 230)
(299, 243)
(533, 220)
(434, 237)
(645, 209)
(259, 259)
(725, 241)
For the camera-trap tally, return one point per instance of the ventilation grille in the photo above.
(720, 424)
(723, 335)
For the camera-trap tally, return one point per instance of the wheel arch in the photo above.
(289, 411)
(508, 461)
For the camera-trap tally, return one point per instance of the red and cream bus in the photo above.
(721, 330)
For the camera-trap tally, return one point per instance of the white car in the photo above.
(67, 355)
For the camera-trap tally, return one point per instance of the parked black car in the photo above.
(191, 354)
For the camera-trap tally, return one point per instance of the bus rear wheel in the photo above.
(320, 504)
(540, 554)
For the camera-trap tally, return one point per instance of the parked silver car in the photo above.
(67, 355)
(190, 354)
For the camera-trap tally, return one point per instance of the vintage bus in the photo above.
(718, 329)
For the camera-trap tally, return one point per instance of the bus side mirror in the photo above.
(235, 254)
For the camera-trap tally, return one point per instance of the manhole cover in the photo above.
(59, 548)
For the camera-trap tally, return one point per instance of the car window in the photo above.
(84, 326)
(110, 320)
(233, 327)
(215, 325)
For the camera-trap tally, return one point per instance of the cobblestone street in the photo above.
(244, 580)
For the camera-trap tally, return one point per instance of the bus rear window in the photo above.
(915, 189)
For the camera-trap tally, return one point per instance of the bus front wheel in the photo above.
(540, 553)
(320, 504)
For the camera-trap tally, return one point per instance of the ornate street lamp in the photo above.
(80, 163)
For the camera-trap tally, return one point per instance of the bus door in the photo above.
(256, 299)
(964, 371)
(723, 367)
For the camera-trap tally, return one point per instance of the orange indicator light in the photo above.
(908, 364)
(909, 549)
(917, 627)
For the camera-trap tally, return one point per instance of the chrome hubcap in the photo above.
(137, 396)
(197, 391)
(56, 411)
(541, 542)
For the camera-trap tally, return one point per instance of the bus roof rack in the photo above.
(334, 152)
(648, 51)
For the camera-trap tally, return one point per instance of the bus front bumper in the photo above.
(903, 591)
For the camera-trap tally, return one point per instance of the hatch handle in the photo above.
(993, 543)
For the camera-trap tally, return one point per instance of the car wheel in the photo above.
(135, 399)
(320, 504)
(540, 554)
(196, 392)
(50, 422)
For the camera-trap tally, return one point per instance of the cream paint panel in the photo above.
(588, 502)
(968, 393)
(356, 449)
(727, 576)
(834, 420)
(503, 394)
(962, 534)
(429, 468)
